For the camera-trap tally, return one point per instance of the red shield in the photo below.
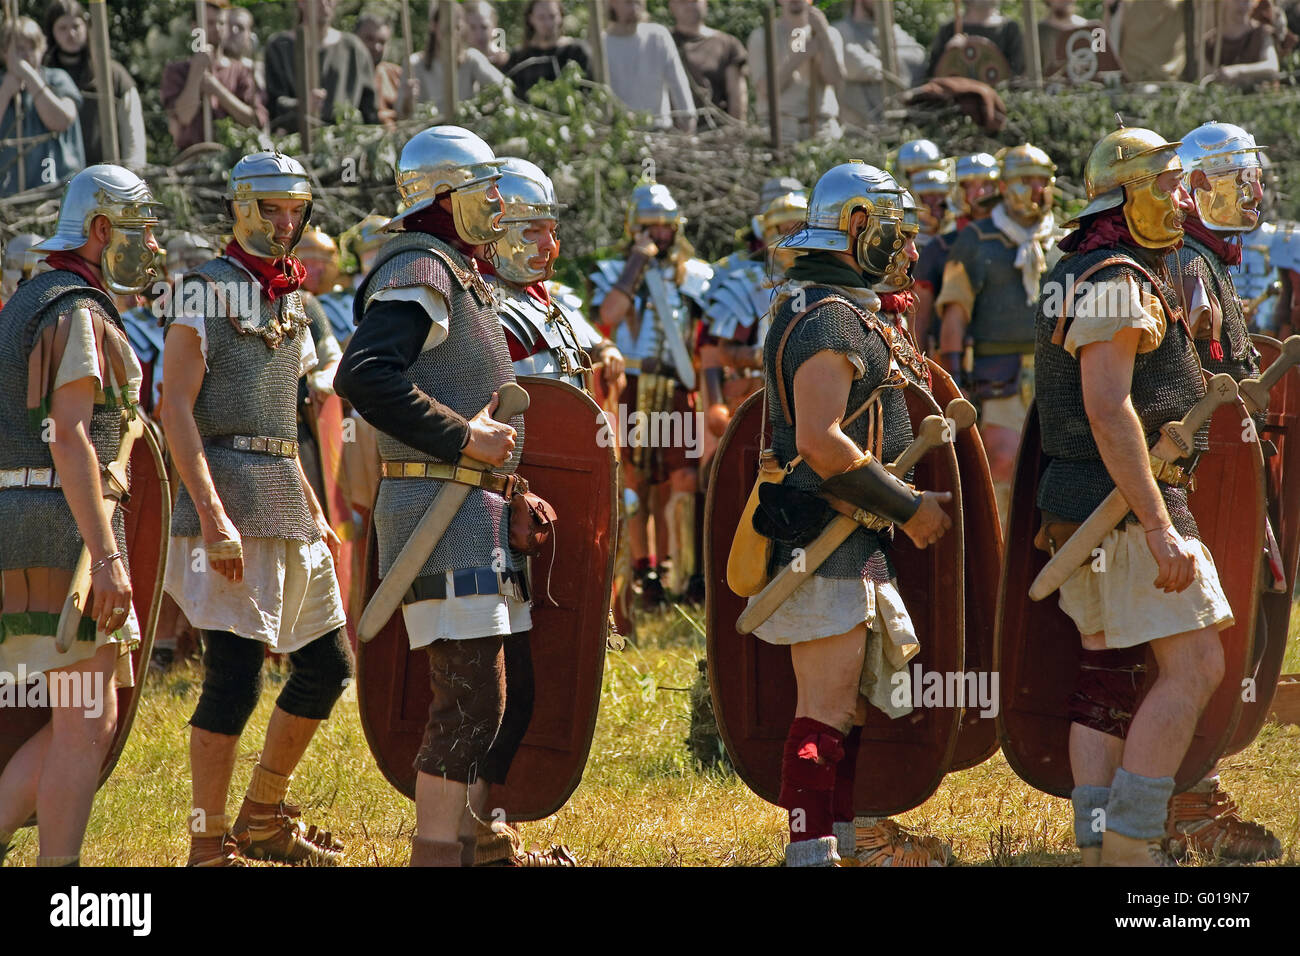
(1284, 509)
(902, 761)
(978, 737)
(148, 523)
(1037, 645)
(565, 463)
(328, 427)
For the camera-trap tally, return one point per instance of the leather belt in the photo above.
(1179, 476)
(872, 522)
(29, 478)
(506, 485)
(466, 583)
(280, 447)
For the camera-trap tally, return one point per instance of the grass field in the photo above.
(644, 801)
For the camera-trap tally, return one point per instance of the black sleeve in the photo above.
(1014, 48)
(373, 377)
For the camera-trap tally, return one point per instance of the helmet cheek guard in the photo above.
(879, 244)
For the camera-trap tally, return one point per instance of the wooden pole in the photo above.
(407, 52)
(1032, 51)
(773, 101)
(10, 15)
(884, 19)
(596, 40)
(307, 70)
(111, 153)
(449, 43)
(1218, 36)
(202, 22)
(1194, 56)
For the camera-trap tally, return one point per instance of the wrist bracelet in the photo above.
(105, 562)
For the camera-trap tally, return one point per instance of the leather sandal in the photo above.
(227, 855)
(278, 835)
(1207, 822)
(888, 844)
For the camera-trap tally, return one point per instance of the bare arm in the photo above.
(78, 469)
(737, 94)
(57, 113)
(1248, 74)
(821, 392)
(245, 114)
(183, 371)
(615, 309)
(188, 102)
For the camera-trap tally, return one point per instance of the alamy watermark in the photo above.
(652, 430)
(79, 690)
(199, 297)
(922, 688)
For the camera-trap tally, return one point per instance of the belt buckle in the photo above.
(257, 444)
(241, 443)
(40, 477)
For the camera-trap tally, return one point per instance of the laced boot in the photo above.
(1205, 820)
(270, 829)
(211, 843)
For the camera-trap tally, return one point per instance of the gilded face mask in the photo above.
(1153, 216)
(477, 215)
(1019, 197)
(517, 255)
(1231, 203)
(255, 233)
(879, 244)
(128, 261)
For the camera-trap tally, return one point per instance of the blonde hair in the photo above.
(24, 28)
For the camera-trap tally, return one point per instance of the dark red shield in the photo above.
(565, 463)
(978, 737)
(1037, 646)
(328, 427)
(1284, 510)
(902, 761)
(148, 526)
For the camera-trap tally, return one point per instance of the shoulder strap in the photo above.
(780, 350)
(1067, 309)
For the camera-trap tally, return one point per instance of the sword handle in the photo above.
(1255, 391)
(1079, 546)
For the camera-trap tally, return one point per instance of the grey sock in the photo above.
(1138, 806)
(818, 852)
(846, 837)
(1088, 824)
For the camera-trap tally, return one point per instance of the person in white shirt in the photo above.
(864, 78)
(806, 47)
(645, 70)
(474, 72)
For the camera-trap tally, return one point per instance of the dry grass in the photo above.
(643, 802)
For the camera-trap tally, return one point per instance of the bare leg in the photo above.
(1094, 756)
(19, 782)
(1191, 667)
(287, 738)
(828, 672)
(439, 807)
(212, 763)
(80, 738)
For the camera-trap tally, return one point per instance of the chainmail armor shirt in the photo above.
(1203, 268)
(60, 345)
(865, 341)
(1167, 382)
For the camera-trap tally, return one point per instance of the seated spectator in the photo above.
(375, 32)
(67, 37)
(228, 84)
(545, 52)
(52, 149)
(480, 32)
(981, 18)
(474, 72)
(714, 61)
(240, 41)
(347, 75)
(1241, 51)
(864, 72)
(807, 48)
(645, 71)
(1149, 37)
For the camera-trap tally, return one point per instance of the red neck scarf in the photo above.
(1107, 228)
(277, 277)
(438, 223)
(1227, 250)
(72, 262)
(897, 304)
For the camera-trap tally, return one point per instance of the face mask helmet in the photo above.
(1121, 172)
(529, 198)
(1016, 167)
(129, 260)
(445, 160)
(976, 168)
(842, 191)
(1231, 161)
(259, 176)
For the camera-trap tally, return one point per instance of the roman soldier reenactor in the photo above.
(424, 367)
(545, 335)
(988, 300)
(1115, 361)
(843, 357)
(251, 564)
(972, 193)
(651, 301)
(737, 315)
(67, 377)
(19, 260)
(1223, 175)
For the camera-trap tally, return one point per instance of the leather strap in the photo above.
(1067, 309)
(280, 447)
(466, 583)
(506, 485)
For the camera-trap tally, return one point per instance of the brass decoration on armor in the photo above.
(285, 322)
(467, 278)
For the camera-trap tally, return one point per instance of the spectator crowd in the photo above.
(688, 75)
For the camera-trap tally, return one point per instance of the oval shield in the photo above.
(569, 462)
(901, 761)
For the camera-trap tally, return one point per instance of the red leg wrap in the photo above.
(846, 772)
(808, 767)
(1105, 696)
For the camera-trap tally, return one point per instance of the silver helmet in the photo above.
(916, 155)
(774, 189)
(20, 258)
(652, 205)
(266, 175)
(529, 197)
(838, 194)
(448, 159)
(124, 199)
(976, 167)
(1230, 160)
